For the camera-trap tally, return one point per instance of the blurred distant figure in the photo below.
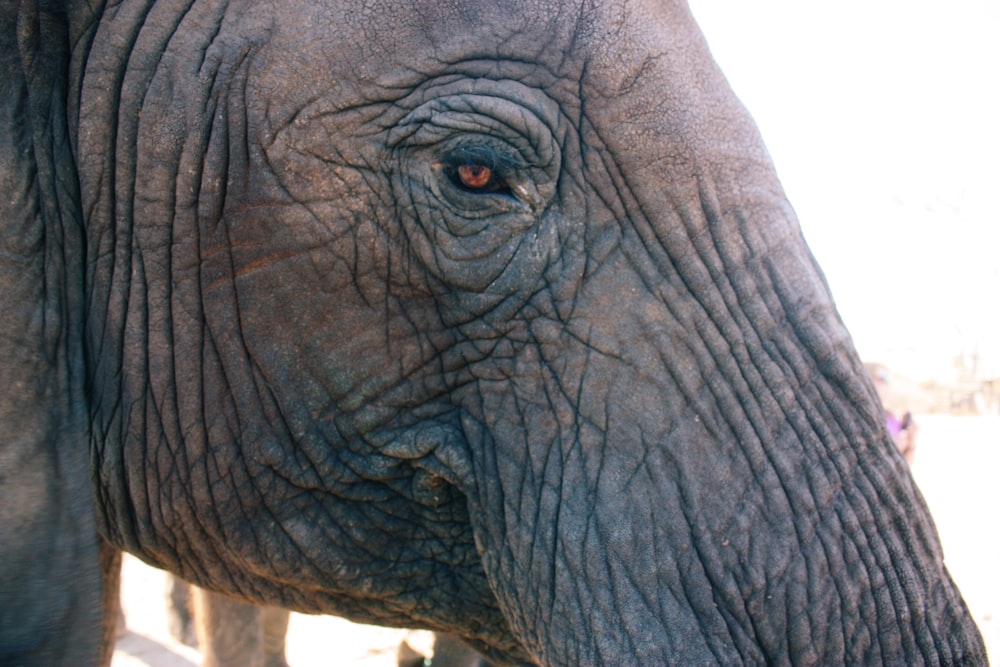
(902, 429)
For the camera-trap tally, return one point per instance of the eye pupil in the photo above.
(475, 176)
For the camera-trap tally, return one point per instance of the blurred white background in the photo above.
(883, 119)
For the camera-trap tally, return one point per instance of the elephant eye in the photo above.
(478, 178)
(480, 168)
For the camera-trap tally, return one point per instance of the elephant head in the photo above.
(486, 317)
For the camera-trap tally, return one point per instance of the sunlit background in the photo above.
(883, 119)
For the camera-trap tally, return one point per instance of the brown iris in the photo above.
(479, 178)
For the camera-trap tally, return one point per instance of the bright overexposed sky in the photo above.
(883, 119)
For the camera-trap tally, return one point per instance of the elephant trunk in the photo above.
(690, 468)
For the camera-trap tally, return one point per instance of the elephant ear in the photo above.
(49, 577)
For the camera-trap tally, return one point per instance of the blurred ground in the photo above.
(957, 469)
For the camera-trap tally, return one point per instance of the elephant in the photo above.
(229, 631)
(489, 318)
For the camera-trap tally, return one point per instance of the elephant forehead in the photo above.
(365, 51)
(382, 36)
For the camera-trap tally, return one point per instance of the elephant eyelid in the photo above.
(484, 154)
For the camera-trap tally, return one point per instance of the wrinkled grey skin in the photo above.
(602, 413)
